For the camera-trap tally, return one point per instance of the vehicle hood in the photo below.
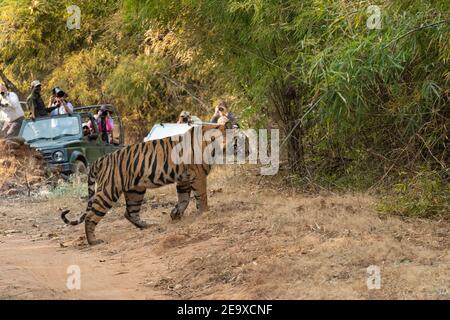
(54, 144)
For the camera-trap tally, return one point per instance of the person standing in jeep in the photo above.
(35, 102)
(59, 103)
(11, 112)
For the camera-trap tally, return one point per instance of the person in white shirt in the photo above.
(10, 112)
(59, 104)
(63, 107)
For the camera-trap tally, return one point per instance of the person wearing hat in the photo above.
(186, 117)
(11, 112)
(105, 124)
(221, 111)
(35, 102)
(58, 103)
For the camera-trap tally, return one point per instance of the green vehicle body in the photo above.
(78, 151)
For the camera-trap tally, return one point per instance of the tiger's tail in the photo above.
(91, 192)
(72, 222)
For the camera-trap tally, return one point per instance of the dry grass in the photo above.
(254, 243)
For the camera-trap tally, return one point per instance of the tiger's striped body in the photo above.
(131, 171)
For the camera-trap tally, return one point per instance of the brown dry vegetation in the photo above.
(253, 243)
(22, 168)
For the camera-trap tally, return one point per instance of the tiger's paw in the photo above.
(175, 214)
(202, 209)
(142, 224)
(138, 223)
(95, 242)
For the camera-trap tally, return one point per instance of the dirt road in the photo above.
(253, 244)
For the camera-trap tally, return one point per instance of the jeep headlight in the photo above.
(58, 156)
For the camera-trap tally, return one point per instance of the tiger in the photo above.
(134, 169)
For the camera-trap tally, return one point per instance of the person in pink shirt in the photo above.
(105, 124)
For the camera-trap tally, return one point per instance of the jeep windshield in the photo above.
(51, 128)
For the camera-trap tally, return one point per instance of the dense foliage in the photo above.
(360, 108)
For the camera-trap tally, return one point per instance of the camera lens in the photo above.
(58, 92)
(220, 109)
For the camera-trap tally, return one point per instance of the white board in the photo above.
(164, 130)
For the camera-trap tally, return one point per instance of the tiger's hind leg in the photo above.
(183, 193)
(200, 193)
(134, 199)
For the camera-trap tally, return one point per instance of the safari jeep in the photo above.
(66, 144)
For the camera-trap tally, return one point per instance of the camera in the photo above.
(221, 109)
(185, 119)
(58, 92)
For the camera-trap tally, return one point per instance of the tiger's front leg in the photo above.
(184, 194)
(200, 193)
(134, 199)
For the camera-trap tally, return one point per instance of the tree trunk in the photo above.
(288, 106)
(10, 85)
(295, 148)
